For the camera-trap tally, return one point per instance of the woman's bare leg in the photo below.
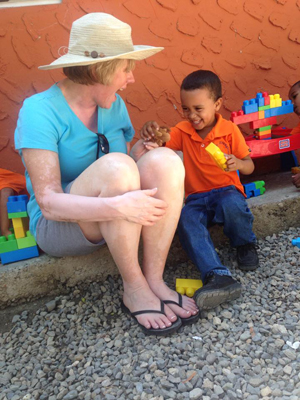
(113, 175)
(162, 168)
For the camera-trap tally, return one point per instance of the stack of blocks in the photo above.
(254, 189)
(261, 113)
(21, 244)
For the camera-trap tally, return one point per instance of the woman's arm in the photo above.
(43, 167)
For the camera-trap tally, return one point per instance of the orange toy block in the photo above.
(261, 114)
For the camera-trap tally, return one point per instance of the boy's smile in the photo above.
(199, 108)
(294, 96)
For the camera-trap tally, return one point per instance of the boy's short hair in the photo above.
(96, 73)
(295, 84)
(203, 79)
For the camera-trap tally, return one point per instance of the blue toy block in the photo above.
(250, 106)
(296, 242)
(17, 204)
(260, 100)
(254, 189)
(18, 255)
(286, 108)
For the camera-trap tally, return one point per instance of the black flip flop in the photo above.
(185, 321)
(151, 331)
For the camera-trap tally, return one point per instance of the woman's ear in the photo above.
(218, 103)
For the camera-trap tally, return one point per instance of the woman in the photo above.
(85, 190)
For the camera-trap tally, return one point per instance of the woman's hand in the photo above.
(141, 207)
(140, 148)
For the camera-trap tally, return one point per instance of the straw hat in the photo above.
(99, 37)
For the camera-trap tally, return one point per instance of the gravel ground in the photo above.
(80, 346)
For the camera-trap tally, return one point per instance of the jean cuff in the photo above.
(220, 272)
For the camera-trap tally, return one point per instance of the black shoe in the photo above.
(217, 289)
(247, 257)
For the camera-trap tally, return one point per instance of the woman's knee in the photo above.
(121, 171)
(164, 163)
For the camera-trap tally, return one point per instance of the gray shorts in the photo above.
(61, 239)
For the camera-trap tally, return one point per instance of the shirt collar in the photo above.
(186, 127)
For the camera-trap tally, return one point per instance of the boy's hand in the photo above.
(296, 180)
(147, 131)
(232, 162)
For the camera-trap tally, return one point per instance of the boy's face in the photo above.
(199, 108)
(294, 95)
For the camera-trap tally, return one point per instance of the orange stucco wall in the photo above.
(252, 45)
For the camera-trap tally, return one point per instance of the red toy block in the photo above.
(241, 118)
(262, 122)
(267, 98)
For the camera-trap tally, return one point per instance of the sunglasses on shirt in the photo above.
(102, 144)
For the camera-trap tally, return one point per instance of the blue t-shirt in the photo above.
(47, 122)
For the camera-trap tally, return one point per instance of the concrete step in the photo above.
(276, 210)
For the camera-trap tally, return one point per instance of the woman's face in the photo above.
(121, 78)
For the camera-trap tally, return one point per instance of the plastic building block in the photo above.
(17, 215)
(28, 241)
(261, 114)
(262, 122)
(250, 106)
(8, 244)
(20, 227)
(266, 98)
(241, 118)
(265, 128)
(18, 255)
(278, 100)
(254, 189)
(286, 108)
(263, 108)
(188, 286)
(272, 101)
(17, 203)
(260, 100)
(217, 155)
(295, 170)
(296, 242)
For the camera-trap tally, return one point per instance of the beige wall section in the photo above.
(252, 45)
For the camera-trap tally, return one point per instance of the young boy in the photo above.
(213, 196)
(294, 96)
(11, 184)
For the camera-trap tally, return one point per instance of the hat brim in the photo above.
(140, 52)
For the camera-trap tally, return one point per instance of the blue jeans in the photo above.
(225, 206)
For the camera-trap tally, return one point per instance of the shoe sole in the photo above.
(207, 299)
(248, 267)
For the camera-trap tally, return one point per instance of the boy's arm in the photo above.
(4, 221)
(245, 165)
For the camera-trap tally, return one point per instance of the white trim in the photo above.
(25, 3)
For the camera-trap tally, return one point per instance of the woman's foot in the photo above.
(142, 298)
(163, 292)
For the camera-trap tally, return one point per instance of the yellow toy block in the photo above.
(278, 100)
(21, 226)
(272, 101)
(261, 114)
(188, 286)
(217, 155)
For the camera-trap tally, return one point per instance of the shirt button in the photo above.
(202, 145)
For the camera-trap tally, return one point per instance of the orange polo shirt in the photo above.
(13, 181)
(201, 172)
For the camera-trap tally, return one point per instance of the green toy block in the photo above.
(259, 184)
(264, 128)
(262, 108)
(8, 244)
(21, 214)
(27, 241)
(262, 190)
